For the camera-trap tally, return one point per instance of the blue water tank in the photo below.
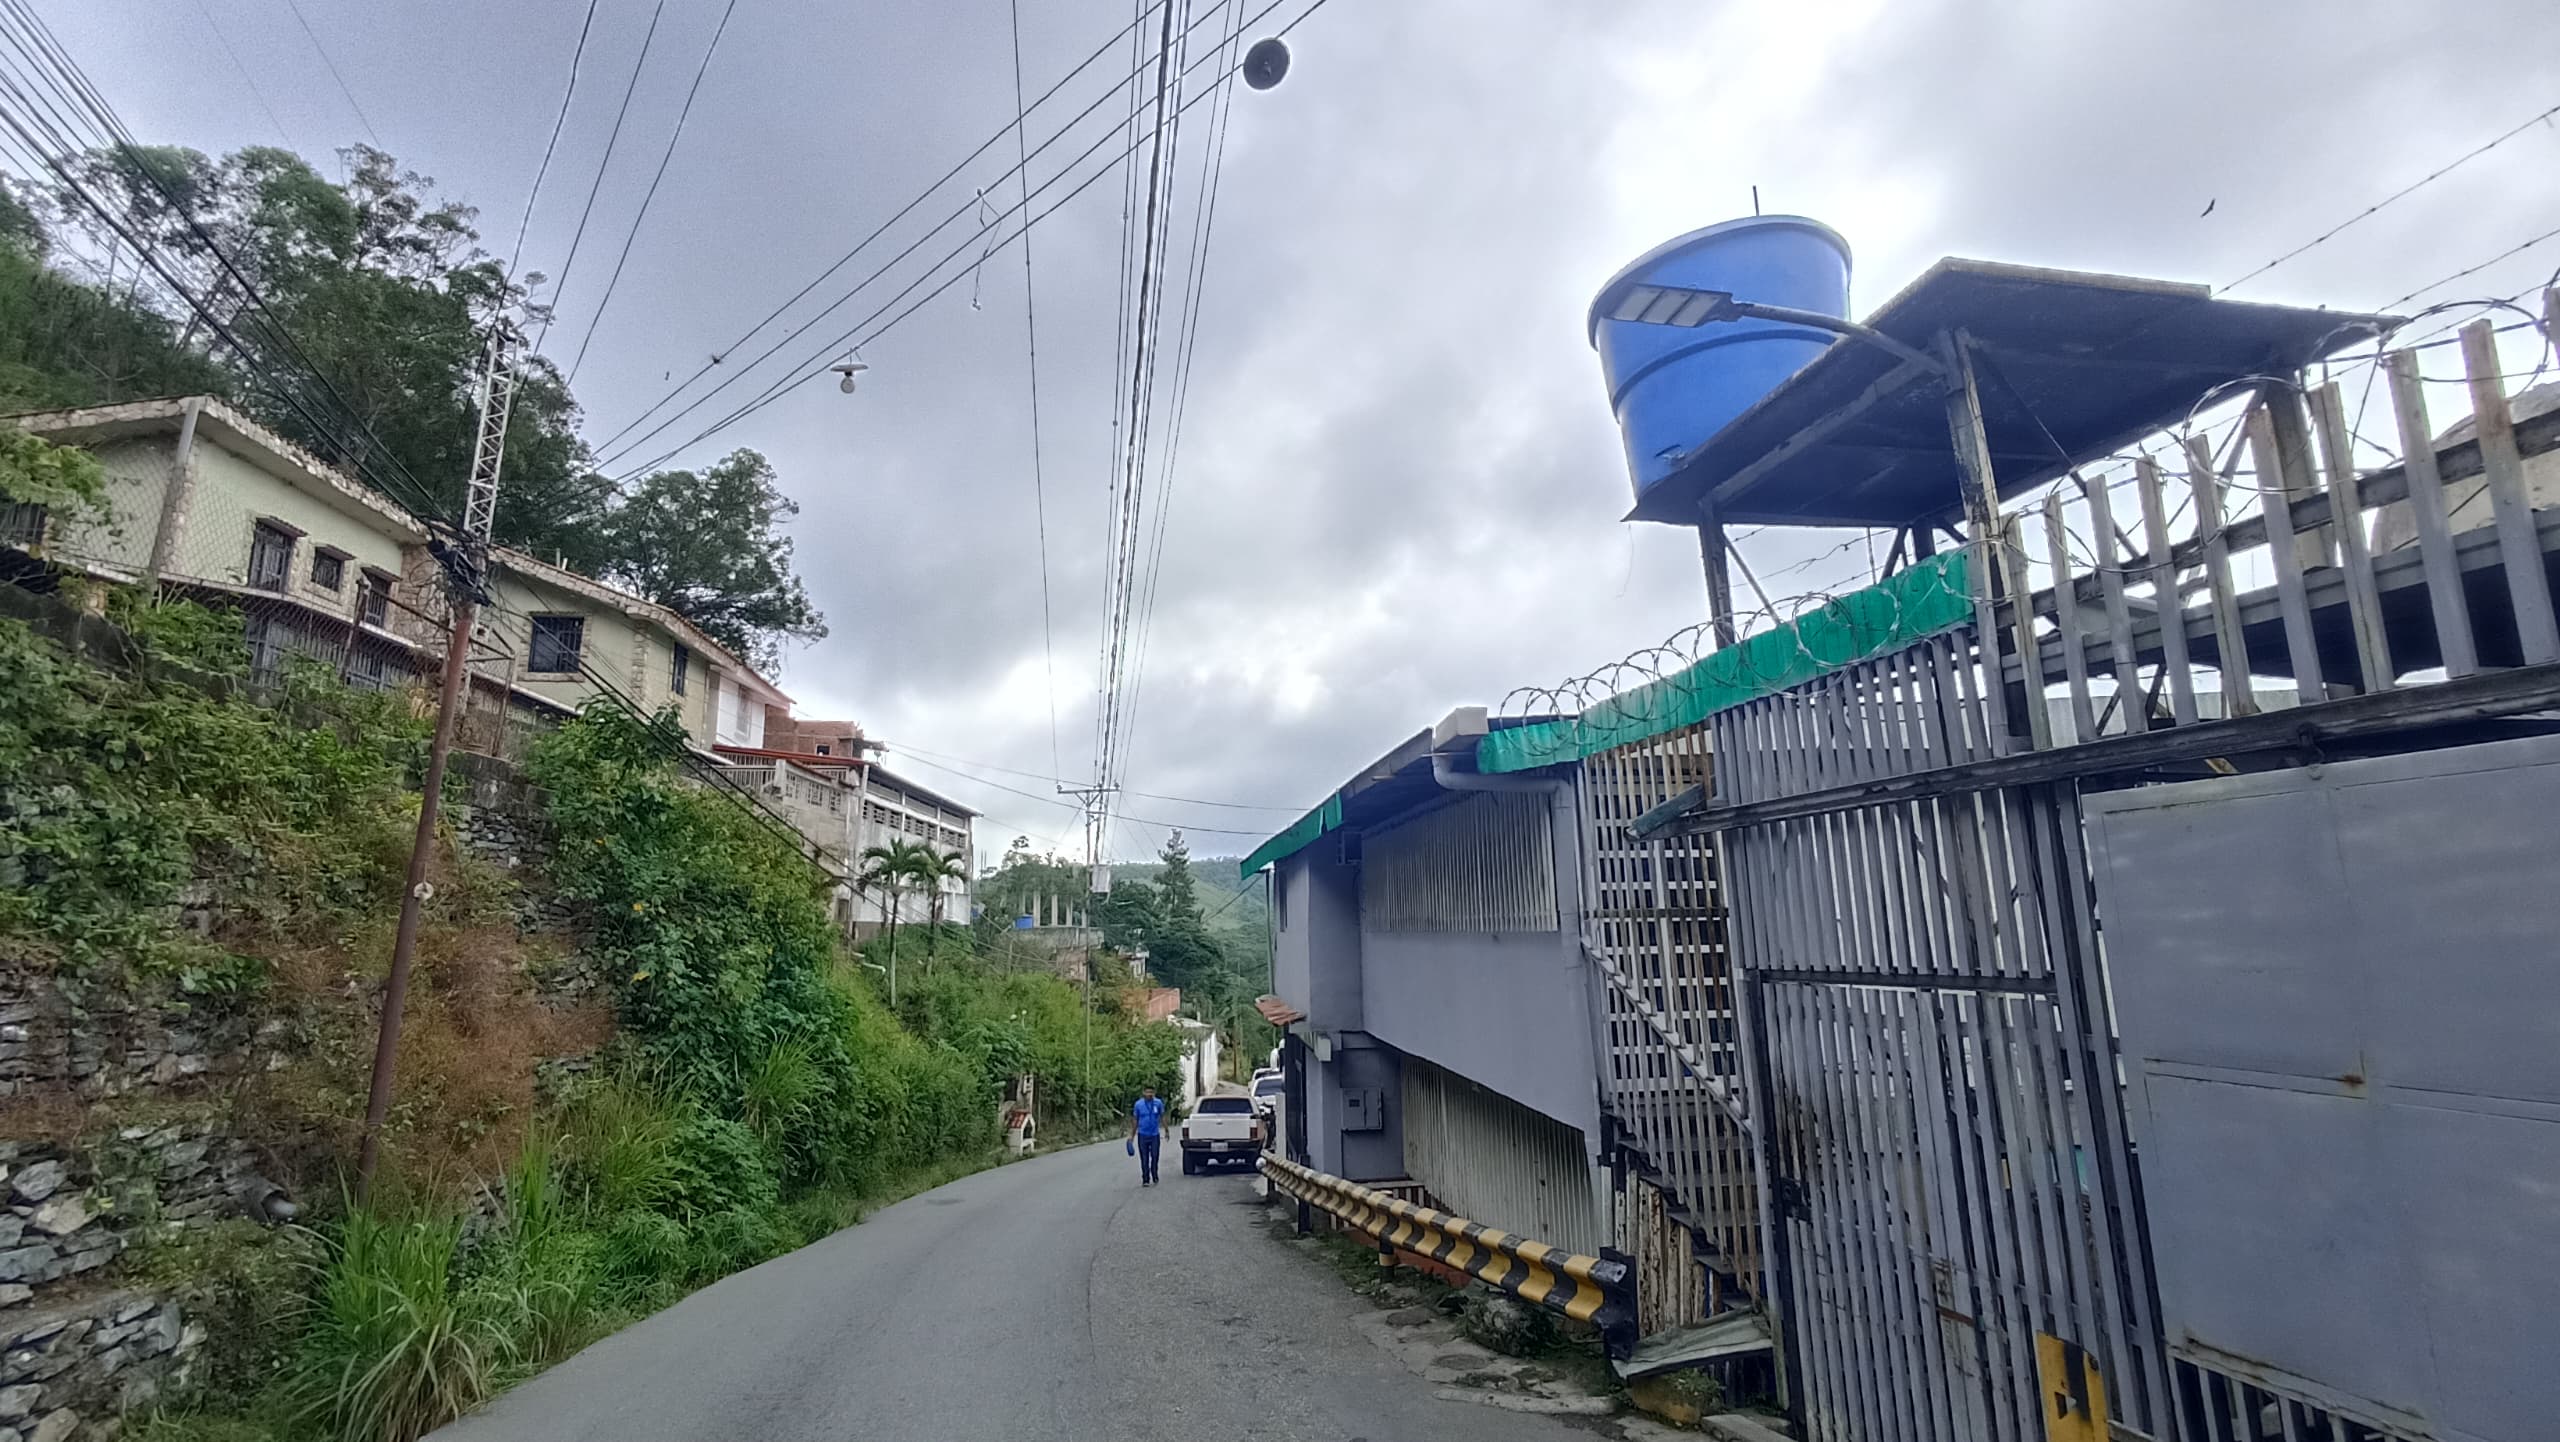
(1673, 387)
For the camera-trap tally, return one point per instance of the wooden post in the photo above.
(1982, 515)
(1714, 552)
(2502, 471)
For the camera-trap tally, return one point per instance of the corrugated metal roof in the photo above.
(2073, 365)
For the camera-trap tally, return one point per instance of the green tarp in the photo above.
(1922, 601)
(1928, 598)
(1327, 817)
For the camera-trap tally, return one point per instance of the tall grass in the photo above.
(396, 1346)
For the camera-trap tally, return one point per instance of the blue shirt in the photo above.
(1150, 1114)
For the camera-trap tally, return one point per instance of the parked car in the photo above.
(1222, 1130)
(1271, 1099)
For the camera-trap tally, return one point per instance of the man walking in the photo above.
(1146, 1134)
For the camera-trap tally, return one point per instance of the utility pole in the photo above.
(1094, 798)
(465, 558)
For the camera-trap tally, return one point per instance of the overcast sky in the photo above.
(1398, 484)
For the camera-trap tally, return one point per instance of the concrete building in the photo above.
(210, 503)
(1440, 1012)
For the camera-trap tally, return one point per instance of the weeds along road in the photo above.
(1049, 1299)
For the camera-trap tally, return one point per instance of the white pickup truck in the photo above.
(1221, 1130)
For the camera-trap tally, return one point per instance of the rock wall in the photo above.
(94, 1039)
(499, 817)
(72, 1369)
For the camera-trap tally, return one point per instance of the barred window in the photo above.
(556, 640)
(270, 556)
(328, 569)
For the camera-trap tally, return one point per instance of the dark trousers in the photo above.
(1149, 1149)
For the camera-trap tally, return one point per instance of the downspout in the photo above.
(178, 497)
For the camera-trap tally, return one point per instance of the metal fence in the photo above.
(1653, 927)
(1931, 1032)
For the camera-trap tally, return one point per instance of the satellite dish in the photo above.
(1266, 63)
(849, 370)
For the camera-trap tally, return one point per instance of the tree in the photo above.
(929, 869)
(890, 868)
(703, 545)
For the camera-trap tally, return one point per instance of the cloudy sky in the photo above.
(1398, 484)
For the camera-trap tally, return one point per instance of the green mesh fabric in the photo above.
(1327, 817)
(1922, 601)
(1932, 596)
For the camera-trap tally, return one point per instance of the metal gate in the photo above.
(1927, 1024)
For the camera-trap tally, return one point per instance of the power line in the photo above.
(352, 104)
(1204, 223)
(2371, 210)
(839, 344)
(246, 77)
(1031, 341)
(560, 287)
(596, 321)
(1071, 805)
(908, 748)
(73, 95)
(616, 450)
(558, 122)
(848, 257)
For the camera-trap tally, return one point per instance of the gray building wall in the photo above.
(1508, 1010)
(1316, 948)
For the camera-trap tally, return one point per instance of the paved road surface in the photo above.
(1050, 1299)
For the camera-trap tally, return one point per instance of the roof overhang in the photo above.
(2072, 366)
(218, 423)
(1391, 786)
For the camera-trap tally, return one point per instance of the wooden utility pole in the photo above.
(465, 557)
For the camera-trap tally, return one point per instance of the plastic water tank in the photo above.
(1673, 387)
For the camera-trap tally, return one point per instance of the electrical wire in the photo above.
(246, 78)
(1031, 344)
(558, 122)
(44, 125)
(2394, 197)
(620, 115)
(616, 452)
(361, 118)
(718, 357)
(912, 749)
(596, 321)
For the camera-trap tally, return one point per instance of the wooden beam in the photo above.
(2486, 696)
(1892, 383)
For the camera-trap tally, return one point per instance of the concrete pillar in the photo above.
(177, 498)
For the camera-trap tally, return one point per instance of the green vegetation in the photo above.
(753, 1088)
(1219, 956)
(381, 287)
(116, 790)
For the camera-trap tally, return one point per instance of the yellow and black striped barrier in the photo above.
(1598, 1290)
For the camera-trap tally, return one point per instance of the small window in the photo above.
(22, 524)
(822, 748)
(373, 600)
(556, 640)
(270, 556)
(680, 668)
(1226, 1106)
(328, 569)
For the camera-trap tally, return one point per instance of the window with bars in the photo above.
(22, 525)
(373, 599)
(328, 569)
(270, 556)
(555, 645)
(680, 668)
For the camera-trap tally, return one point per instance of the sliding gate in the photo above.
(1945, 1133)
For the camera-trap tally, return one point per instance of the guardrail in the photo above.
(1598, 1290)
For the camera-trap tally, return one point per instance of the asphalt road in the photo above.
(1050, 1299)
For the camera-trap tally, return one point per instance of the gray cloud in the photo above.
(1399, 482)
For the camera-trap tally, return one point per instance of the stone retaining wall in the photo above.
(72, 1369)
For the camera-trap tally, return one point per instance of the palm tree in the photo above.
(928, 869)
(890, 868)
